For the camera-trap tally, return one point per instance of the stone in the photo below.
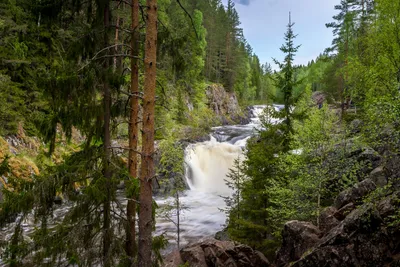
(222, 236)
(194, 255)
(378, 176)
(215, 253)
(355, 193)
(298, 237)
(327, 219)
(173, 259)
(344, 211)
(363, 238)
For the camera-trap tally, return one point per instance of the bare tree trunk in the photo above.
(133, 133)
(178, 214)
(107, 145)
(147, 162)
(116, 42)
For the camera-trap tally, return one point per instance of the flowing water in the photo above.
(207, 164)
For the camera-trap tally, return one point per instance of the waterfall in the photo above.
(208, 163)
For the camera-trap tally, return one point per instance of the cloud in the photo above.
(243, 2)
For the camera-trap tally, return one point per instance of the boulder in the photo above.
(327, 219)
(194, 255)
(355, 193)
(392, 165)
(222, 236)
(217, 253)
(173, 259)
(344, 211)
(378, 176)
(298, 237)
(370, 159)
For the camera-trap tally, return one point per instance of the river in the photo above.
(207, 164)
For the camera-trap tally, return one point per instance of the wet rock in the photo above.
(298, 237)
(355, 193)
(217, 253)
(327, 219)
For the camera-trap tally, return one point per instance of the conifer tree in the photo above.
(286, 82)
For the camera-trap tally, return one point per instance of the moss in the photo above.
(4, 148)
(23, 168)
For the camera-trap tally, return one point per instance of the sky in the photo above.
(264, 24)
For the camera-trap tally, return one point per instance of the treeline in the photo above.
(295, 169)
(199, 42)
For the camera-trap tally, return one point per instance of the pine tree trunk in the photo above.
(147, 162)
(133, 133)
(107, 145)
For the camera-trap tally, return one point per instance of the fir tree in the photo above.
(286, 82)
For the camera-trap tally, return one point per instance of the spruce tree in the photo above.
(286, 82)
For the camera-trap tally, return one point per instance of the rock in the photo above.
(224, 104)
(298, 237)
(378, 176)
(173, 259)
(355, 193)
(344, 211)
(318, 97)
(327, 219)
(356, 125)
(217, 253)
(392, 165)
(194, 255)
(222, 236)
(363, 238)
(370, 160)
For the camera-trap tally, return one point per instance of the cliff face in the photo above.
(225, 105)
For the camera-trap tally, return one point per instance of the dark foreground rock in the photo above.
(215, 253)
(367, 236)
(298, 237)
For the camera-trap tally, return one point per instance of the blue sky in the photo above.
(264, 24)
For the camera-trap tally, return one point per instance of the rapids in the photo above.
(207, 164)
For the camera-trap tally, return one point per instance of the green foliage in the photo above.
(286, 82)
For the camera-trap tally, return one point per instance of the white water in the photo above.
(207, 165)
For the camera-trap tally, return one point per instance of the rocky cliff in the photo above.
(361, 227)
(225, 105)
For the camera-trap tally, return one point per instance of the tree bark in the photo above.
(133, 133)
(147, 162)
(107, 145)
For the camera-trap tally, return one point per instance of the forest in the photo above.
(109, 109)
